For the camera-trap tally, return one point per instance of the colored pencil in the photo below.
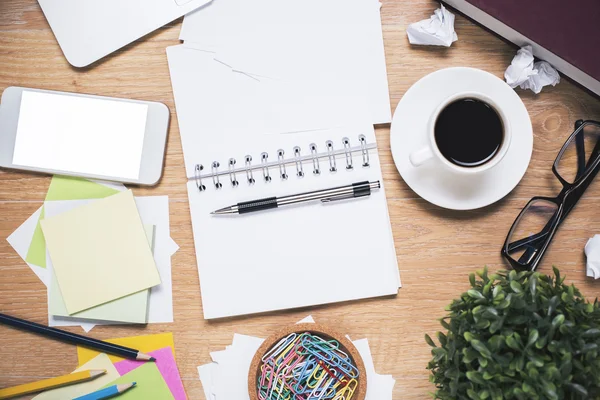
(108, 392)
(73, 338)
(51, 383)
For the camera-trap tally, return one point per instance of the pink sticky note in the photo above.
(165, 362)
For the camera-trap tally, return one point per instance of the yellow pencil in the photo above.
(51, 383)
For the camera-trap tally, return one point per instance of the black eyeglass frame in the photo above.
(565, 202)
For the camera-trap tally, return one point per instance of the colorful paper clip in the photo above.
(307, 367)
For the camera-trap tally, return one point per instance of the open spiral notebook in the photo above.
(290, 257)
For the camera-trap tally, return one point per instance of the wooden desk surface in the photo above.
(436, 248)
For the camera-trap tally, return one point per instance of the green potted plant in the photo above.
(518, 335)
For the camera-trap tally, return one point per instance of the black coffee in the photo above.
(469, 132)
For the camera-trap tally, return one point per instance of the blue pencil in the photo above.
(109, 392)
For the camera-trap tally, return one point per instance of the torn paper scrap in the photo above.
(592, 251)
(438, 30)
(207, 373)
(527, 74)
(307, 320)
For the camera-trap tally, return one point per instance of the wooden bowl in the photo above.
(323, 331)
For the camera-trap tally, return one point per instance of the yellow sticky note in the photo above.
(100, 361)
(145, 344)
(132, 308)
(99, 252)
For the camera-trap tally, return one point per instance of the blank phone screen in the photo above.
(80, 135)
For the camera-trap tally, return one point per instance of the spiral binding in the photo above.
(264, 160)
(365, 154)
(249, 175)
(348, 153)
(281, 163)
(215, 176)
(281, 159)
(298, 161)
(232, 177)
(197, 172)
(315, 159)
(331, 156)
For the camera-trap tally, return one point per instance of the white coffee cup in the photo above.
(431, 150)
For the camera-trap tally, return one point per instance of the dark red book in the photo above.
(564, 33)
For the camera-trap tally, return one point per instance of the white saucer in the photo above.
(432, 181)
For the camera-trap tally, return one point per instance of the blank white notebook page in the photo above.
(296, 256)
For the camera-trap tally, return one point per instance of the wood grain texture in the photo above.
(436, 248)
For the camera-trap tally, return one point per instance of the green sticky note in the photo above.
(37, 249)
(149, 384)
(66, 188)
(63, 188)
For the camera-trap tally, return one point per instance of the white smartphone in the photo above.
(83, 135)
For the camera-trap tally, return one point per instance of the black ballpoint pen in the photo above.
(354, 190)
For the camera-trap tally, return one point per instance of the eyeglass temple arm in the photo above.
(528, 255)
(594, 154)
(580, 147)
(528, 241)
(531, 245)
(582, 166)
(579, 191)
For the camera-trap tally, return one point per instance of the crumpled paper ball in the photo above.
(527, 74)
(435, 31)
(592, 251)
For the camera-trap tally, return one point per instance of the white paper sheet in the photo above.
(154, 210)
(172, 247)
(207, 373)
(307, 320)
(334, 42)
(378, 386)
(234, 367)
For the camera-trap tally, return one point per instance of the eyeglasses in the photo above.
(576, 165)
